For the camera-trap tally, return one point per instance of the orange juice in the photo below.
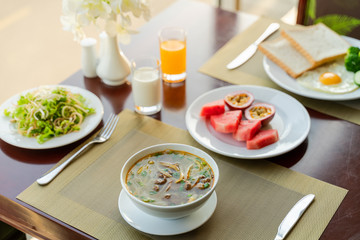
(173, 56)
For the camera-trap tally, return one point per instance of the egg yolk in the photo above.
(329, 78)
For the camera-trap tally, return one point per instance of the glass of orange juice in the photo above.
(173, 54)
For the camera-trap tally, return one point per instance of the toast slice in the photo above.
(318, 43)
(281, 52)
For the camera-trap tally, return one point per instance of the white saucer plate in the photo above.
(291, 120)
(11, 136)
(281, 78)
(164, 227)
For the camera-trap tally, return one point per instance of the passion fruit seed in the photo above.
(239, 99)
(260, 112)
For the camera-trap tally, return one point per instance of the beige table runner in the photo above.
(253, 73)
(253, 195)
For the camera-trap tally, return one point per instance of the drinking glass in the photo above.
(146, 84)
(173, 54)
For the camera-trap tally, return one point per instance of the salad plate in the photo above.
(9, 134)
(291, 120)
(281, 78)
(160, 226)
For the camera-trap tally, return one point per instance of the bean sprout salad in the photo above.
(46, 113)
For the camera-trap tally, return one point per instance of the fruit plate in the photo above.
(291, 120)
(281, 78)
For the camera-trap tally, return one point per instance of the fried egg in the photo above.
(330, 78)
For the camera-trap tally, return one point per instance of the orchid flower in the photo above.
(116, 14)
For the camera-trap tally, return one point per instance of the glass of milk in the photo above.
(146, 84)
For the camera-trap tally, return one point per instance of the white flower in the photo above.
(116, 14)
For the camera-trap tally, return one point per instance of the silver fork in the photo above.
(102, 136)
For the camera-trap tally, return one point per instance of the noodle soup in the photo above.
(169, 178)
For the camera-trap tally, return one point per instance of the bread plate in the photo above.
(291, 120)
(11, 136)
(281, 78)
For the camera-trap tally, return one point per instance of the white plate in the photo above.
(11, 136)
(164, 227)
(281, 78)
(291, 120)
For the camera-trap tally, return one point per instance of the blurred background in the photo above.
(37, 51)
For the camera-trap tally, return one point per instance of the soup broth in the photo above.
(169, 178)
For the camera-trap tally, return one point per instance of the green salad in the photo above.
(46, 113)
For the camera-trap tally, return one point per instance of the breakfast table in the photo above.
(328, 156)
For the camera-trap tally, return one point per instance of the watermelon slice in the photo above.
(213, 108)
(247, 130)
(262, 139)
(226, 122)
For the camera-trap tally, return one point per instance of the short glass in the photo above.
(173, 54)
(146, 84)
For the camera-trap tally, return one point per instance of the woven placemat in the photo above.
(253, 195)
(253, 73)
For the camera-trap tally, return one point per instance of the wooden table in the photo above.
(330, 153)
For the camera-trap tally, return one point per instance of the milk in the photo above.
(146, 87)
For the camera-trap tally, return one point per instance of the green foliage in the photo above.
(341, 24)
(311, 9)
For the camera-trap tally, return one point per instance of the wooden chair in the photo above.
(343, 16)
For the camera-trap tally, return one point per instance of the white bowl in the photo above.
(170, 212)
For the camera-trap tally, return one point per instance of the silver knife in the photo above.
(293, 216)
(250, 51)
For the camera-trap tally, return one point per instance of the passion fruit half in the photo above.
(239, 100)
(260, 111)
